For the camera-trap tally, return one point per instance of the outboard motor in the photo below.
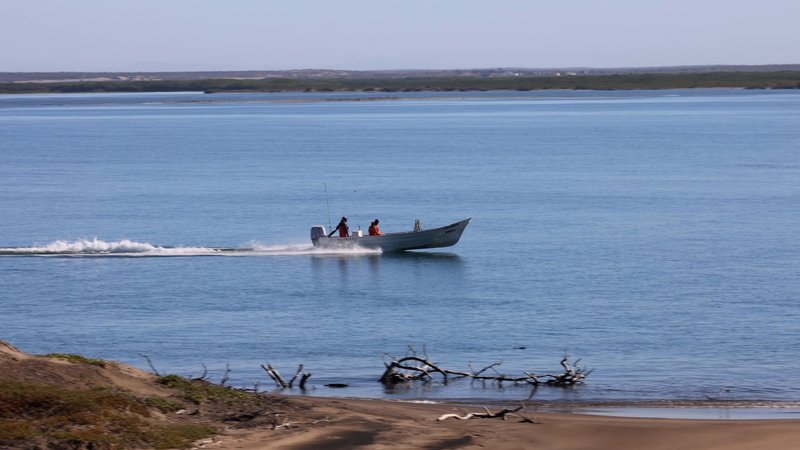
(317, 231)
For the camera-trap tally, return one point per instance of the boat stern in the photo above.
(317, 232)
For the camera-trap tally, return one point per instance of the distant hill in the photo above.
(310, 74)
(751, 77)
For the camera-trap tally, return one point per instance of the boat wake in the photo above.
(127, 248)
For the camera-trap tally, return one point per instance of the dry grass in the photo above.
(37, 416)
(78, 359)
(201, 392)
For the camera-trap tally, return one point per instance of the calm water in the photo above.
(652, 234)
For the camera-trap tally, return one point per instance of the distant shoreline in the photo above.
(636, 81)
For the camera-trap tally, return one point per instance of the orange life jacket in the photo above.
(375, 230)
(343, 230)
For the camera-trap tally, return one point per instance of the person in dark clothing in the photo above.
(344, 230)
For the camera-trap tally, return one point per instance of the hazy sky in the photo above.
(150, 35)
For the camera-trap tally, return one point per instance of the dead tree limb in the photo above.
(299, 369)
(150, 363)
(281, 383)
(490, 366)
(415, 368)
(424, 368)
(204, 375)
(481, 415)
(275, 375)
(573, 374)
(303, 380)
(226, 375)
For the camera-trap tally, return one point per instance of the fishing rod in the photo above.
(328, 205)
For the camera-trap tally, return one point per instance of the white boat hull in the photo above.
(394, 242)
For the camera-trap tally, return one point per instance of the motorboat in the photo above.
(393, 242)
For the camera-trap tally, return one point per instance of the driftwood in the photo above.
(482, 415)
(150, 363)
(275, 375)
(226, 375)
(204, 375)
(286, 424)
(417, 368)
(281, 383)
(303, 379)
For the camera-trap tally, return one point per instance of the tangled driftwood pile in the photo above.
(420, 368)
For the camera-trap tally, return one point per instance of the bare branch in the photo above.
(565, 364)
(299, 369)
(150, 363)
(400, 371)
(303, 380)
(490, 366)
(275, 375)
(203, 376)
(225, 376)
(481, 415)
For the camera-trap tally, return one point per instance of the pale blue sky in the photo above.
(150, 35)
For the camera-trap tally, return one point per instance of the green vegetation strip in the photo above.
(752, 80)
(201, 392)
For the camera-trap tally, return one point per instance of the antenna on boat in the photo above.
(328, 205)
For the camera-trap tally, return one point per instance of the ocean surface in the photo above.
(654, 235)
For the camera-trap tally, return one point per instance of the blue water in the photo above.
(653, 234)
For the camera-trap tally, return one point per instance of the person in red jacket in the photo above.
(344, 230)
(374, 228)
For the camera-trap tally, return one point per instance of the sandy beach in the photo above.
(383, 424)
(291, 422)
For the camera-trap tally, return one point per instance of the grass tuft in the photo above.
(164, 405)
(199, 392)
(78, 359)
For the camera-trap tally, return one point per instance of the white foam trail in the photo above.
(126, 247)
(310, 250)
(96, 246)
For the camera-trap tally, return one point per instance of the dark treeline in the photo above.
(753, 80)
